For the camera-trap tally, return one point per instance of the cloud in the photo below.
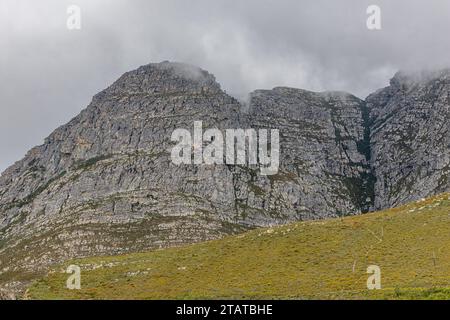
(48, 73)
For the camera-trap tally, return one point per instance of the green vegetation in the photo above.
(85, 164)
(324, 259)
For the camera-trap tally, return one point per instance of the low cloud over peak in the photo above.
(49, 73)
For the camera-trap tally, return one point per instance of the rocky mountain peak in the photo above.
(410, 79)
(164, 78)
(410, 136)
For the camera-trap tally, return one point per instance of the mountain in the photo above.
(105, 182)
(410, 137)
(325, 259)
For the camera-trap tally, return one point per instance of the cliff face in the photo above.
(104, 183)
(410, 137)
(324, 171)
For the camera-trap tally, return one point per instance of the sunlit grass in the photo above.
(324, 259)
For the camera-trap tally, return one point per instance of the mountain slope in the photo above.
(319, 259)
(104, 183)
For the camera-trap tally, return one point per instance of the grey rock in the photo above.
(410, 137)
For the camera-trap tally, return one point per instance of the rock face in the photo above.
(324, 170)
(410, 137)
(105, 184)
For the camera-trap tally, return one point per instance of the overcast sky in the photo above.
(48, 73)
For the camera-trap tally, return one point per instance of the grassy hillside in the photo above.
(307, 260)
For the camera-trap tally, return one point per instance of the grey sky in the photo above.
(48, 73)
